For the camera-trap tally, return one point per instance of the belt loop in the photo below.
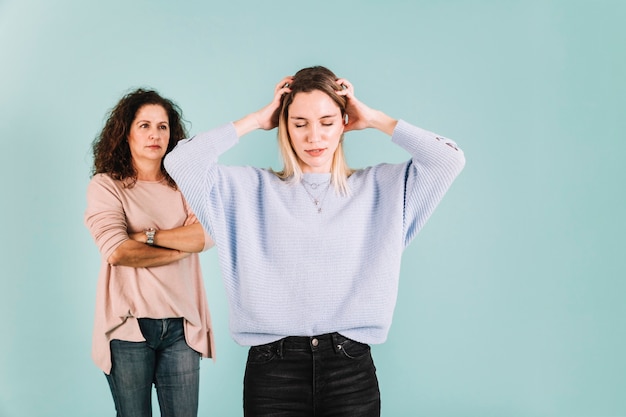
(164, 327)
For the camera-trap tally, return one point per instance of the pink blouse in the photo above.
(124, 293)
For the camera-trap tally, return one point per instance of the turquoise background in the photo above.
(511, 300)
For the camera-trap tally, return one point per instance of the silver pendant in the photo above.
(317, 200)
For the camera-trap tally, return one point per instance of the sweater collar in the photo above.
(315, 177)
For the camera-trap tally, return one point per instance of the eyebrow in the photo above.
(304, 118)
(148, 121)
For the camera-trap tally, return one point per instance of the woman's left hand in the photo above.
(357, 112)
(361, 116)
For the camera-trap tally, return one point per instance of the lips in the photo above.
(315, 152)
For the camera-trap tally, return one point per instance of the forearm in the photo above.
(382, 122)
(190, 238)
(246, 125)
(267, 117)
(138, 255)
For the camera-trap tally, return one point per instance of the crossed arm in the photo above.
(169, 246)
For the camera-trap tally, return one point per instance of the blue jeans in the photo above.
(164, 360)
(327, 375)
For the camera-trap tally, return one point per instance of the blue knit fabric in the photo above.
(292, 271)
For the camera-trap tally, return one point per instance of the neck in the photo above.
(148, 171)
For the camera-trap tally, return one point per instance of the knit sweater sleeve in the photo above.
(193, 165)
(192, 219)
(435, 163)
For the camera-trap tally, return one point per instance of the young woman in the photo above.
(311, 255)
(152, 321)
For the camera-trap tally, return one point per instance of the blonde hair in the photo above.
(305, 81)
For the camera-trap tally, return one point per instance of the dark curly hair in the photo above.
(111, 152)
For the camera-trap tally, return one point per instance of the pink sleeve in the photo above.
(105, 217)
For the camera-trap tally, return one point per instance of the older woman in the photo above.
(152, 321)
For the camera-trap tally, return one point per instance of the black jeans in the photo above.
(327, 375)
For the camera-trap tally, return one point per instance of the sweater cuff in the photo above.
(215, 141)
(413, 138)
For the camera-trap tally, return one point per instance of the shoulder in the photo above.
(104, 183)
(107, 179)
(99, 181)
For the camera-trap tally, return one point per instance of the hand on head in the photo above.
(358, 114)
(267, 117)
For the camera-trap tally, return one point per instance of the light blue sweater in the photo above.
(290, 270)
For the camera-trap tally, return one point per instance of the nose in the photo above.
(155, 134)
(314, 135)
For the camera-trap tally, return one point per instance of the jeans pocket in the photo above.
(262, 354)
(354, 350)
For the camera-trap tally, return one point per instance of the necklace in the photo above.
(316, 199)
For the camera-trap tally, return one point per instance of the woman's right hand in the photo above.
(267, 117)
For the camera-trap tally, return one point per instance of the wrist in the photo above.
(383, 122)
(247, 124)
